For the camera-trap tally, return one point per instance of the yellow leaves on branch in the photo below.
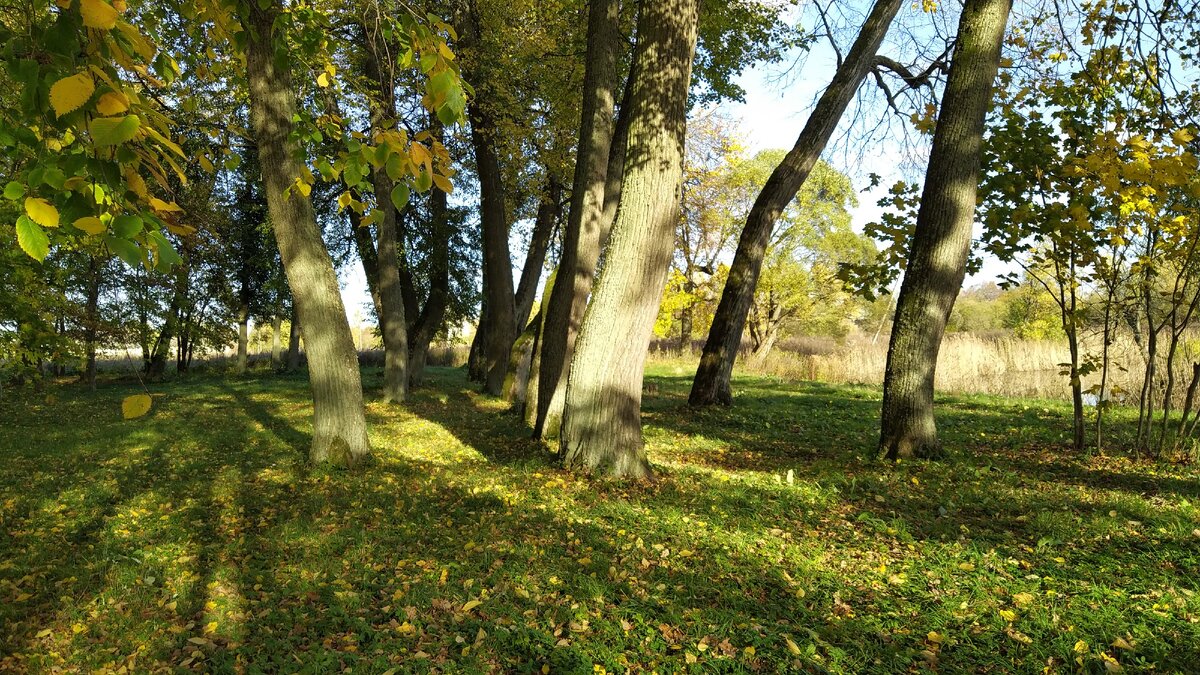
(41, 212)
(112, 103)
(70, 93)
(135, 406)
(90, 225)
(98, 14)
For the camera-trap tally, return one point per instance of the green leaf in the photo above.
(400, 195)
(108, 131)
(14, 191)
(423, 182)
(125, 250)
(32, 239)
(127, 227)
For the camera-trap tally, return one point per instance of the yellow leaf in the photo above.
(135, 406)
(198, 641)
(210, 627)
(966, 567)
(181, 229)
(91, 225)
(41, 212)
(1008, 615)
(69, 93)
(163, 207)
(98, 14)
(443, 183)
(471, 605)
(322, 80)
(45, 632)
(1122, 643)
(78, 628)
(1081, 647)
(112, 103)
(792, 646)
(749, 651)
(1182, 136)
(1023, 599)
(934, 637)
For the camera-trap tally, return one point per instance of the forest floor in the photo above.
(199, 538)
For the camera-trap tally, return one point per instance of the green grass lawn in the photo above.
(198, 538)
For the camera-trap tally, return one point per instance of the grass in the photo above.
(199, 539)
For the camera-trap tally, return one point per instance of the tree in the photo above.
(601, 429)
(941, 242)
(339, 422)
(587, 220)
(712, 382)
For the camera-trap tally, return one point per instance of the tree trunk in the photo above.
(364, 243)
(430, 319)
(293, 357)
(92, 320)
(516, 380)
(339, 421)
(243, 346)
(588, 222)
(276, 327)
(712, 382)
(392, 323)
(602, 430)
(548, 213)
(942, 240)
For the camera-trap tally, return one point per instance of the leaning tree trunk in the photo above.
(712, 382)
(339, 421)
(942, 241)
(602, 430)
(588, 222)
(544, 225)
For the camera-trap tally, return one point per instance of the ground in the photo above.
(199, 538)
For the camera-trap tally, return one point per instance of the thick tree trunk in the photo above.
(243, 346)
(942, 241)
(516, 380)
(600, 155)
(293, 356)
(339, 422)
(712, 382)
(602, 430)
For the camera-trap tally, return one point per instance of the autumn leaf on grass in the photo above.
(135, 406)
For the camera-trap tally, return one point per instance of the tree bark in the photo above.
(364, 243)
(712, 382)
(293, 357)
(92, 320)
(339, 421)
(942, 240)
(601, 430)
(588, 221)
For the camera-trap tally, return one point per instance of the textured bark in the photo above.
(942, 240)
(392, 323)
(601, 429)
(339, 422)
(712, 382)
(588, 221)
(91, 320)
(528, 409)
(520, 359)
